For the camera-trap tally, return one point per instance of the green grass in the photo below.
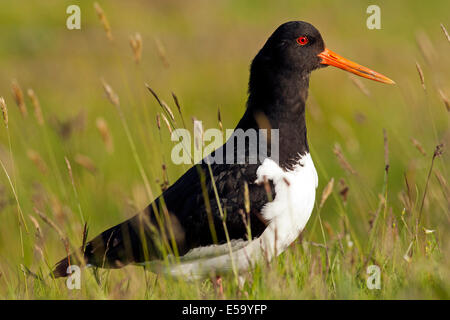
(209, 46)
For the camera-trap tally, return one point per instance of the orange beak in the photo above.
(333, 59)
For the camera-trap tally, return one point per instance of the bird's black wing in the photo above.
(184, 217)
(193, 202)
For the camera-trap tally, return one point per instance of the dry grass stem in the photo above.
(69, 169)
(219, 118)
(39, 233)
(426, 47)
(386, 151)
(342, 161)
(422, 78)
(51, 224)
(445, 32)
(445, 99)
(360, 85)
(437, 153)
(85, 235)
(443, 184)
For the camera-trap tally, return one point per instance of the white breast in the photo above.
(295, 192)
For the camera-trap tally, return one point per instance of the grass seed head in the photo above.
(161, 52)
(167, 123)
(326, 192)
(439, 150)
(158, 121)
(136, 46)
(168, 110)
(85, 162)
(18, 97)
(4, 111)
(177, 102)
(343, 190)
(103, 20)
(51, 224)
(102, 127)
(162, 104)
(34, 156)
(246, 198)
(36, 106)
(111, 95)
(418, 146)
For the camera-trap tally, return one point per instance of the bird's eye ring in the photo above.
(302, 40)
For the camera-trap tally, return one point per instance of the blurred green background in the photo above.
(208, 47)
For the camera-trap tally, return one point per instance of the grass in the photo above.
(71, 160)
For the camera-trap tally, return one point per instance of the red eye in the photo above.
(302, 40)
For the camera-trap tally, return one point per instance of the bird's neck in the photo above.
(278, 99)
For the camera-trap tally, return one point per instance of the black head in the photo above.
(294, 46)
(294, 50)
(279, 75)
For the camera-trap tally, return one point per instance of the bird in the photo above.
(224, 216)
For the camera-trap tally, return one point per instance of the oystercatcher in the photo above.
(220, 216)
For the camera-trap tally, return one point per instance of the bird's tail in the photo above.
(61, 268)
(128, 242)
